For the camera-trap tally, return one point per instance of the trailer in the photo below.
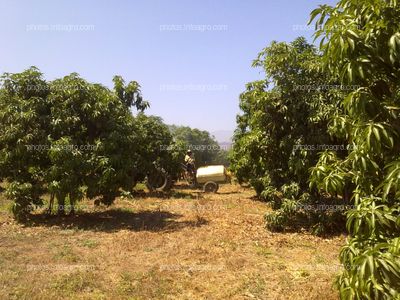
(209, 177)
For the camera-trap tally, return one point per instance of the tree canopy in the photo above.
(361, 44)
(71, 138)
(348, 97)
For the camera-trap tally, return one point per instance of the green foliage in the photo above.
(25, 196)
(277, 121)
(321, 215)
(24, 119)
(360, 42)
(157, 142)
(284, 120)
(71, 138)
(130, 94)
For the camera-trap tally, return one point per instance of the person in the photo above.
(189, 161)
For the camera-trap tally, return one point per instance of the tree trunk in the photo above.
(51, 202)
(61, 204)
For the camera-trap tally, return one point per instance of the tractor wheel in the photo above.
(159, 181)
(210, 187)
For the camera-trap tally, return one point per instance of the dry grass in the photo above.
(188, 246)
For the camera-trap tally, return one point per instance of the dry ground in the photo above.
(189, 246)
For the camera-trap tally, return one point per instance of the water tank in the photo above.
(211, 173)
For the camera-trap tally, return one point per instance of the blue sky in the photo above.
(190, 76)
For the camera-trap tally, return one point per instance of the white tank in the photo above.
(211, 173)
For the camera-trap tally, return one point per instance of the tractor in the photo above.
(208, 177)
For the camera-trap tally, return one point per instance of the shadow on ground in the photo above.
(115, 219)
(228, 193)
(182, 186)
(169, 195)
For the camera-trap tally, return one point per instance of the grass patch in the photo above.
(126, 284)
(302, 274)
(264, 251)
(254, 287)
(90, 243)
(66, 254)
(147, 285)
(231, 245)
(76, 282)
(319, 259)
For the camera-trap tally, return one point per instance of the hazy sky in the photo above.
(192, 58)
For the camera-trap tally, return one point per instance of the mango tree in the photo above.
(71, 139)
(360, 41)
(283, 123)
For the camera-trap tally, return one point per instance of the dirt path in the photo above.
(190, 246)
